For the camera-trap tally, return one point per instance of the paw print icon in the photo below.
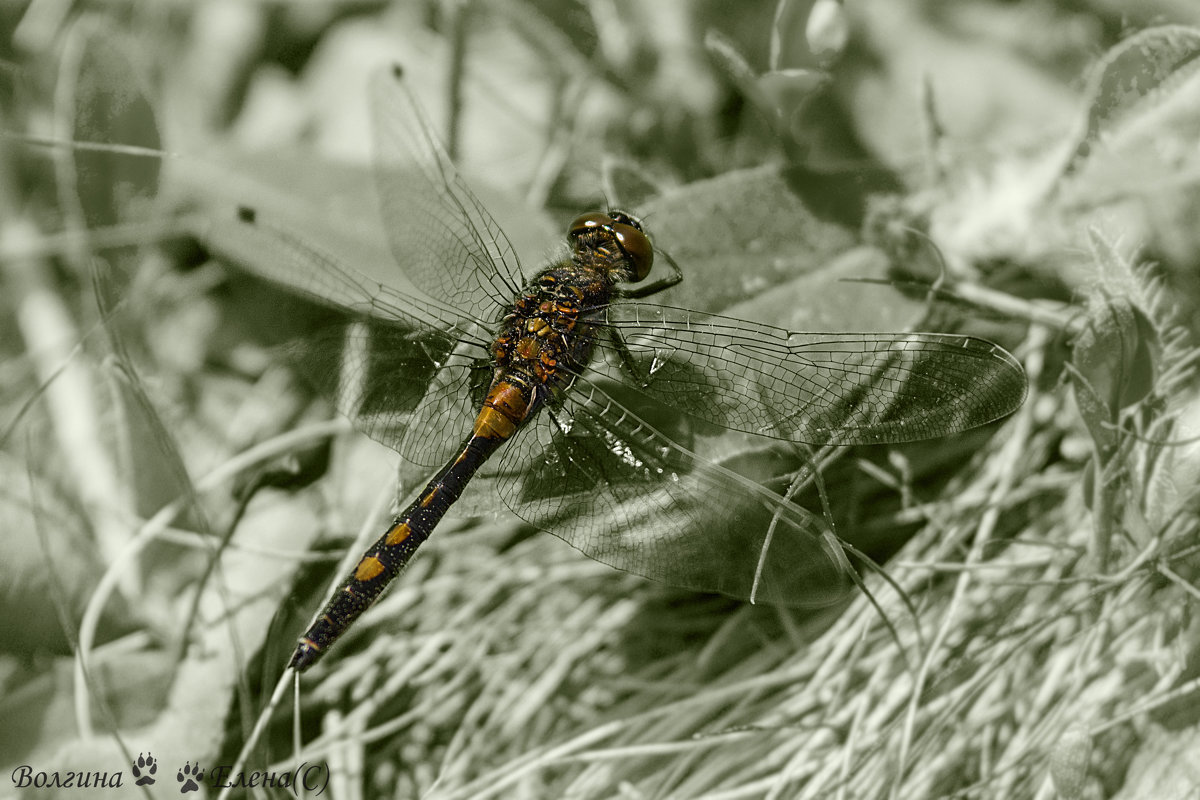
(191, 777)
(144, 769)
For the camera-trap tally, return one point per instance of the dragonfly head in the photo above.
(624, 229)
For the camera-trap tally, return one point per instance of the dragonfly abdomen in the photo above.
(508, 405)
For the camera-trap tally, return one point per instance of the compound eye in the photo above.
(636, 247)
(588, 222)
(627, 219)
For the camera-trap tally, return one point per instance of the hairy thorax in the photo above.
(546, 336)
(544, 340)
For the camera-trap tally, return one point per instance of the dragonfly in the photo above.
(518, 371)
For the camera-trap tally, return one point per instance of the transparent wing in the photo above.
(414, 391)
(439, 232)
(301, 268)
(604, 481)
(819, 388)
(405, 370)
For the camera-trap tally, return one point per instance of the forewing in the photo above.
(439, 232)
(605, 482)
(403, 369)
(410, 390)
(819, 388)
(302, 269)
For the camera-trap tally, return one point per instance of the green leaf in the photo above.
(1134, 75)
(738, 235)
(1114, 365)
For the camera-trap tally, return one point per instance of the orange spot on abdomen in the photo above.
(398, 534)
(370, 567)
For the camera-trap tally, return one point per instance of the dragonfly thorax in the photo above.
(544, 337)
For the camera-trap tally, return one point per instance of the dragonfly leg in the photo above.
(641, 379)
